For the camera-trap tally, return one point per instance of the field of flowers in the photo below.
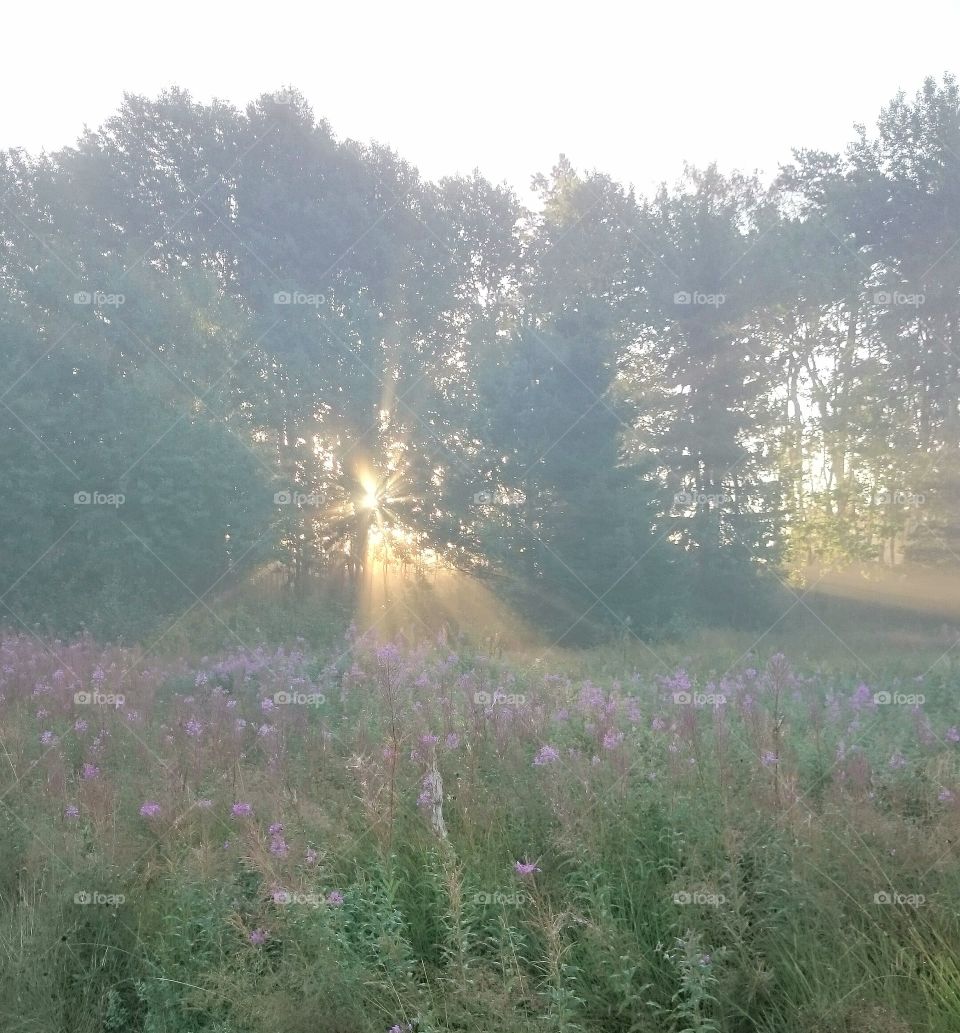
(399, 836)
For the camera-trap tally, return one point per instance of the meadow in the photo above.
(366, 836)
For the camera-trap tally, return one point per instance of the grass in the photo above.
(781, 861)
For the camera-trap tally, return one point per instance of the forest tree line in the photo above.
(223, 331)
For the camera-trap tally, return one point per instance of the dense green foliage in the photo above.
(627, 412)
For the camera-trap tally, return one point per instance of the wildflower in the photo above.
(241, 810)
(945, 796)
(658, 724)
(151, 809)
(768, 759)
(266, 705)
(523, 868)
(612, 739)
(276, 828)
(335, 898)
(48, 739)
(429, 740)
(89, 771)
(898, 760)
(546, 755)
(193, 728)
(953, 734)
(452, 741)
(258, 937)
(204, 804)
(390, 653)
(425, 799)
(311, 856)
(80, 725)
(278, 847)
(71, 811)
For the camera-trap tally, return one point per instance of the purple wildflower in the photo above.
(335, 898)
(71, 811)
(546, 755)
(241, 810)
(523, 868)
(150, 809)
(258, 937)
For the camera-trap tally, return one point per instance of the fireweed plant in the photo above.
(415, 836)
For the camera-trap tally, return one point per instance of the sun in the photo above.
(370, 500)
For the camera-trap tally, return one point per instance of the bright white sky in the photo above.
(632, 89)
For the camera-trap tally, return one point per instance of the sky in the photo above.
(631, 89)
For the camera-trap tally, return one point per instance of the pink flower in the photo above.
(612, 739)
(335, 898)
(258, 937)
(151, 809)
(71, 811)
(241, 810)
(546, 755)
(523, 868)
